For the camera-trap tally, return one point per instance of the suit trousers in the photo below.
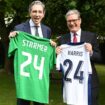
(26, 102)
(95, 96)
(93, 93)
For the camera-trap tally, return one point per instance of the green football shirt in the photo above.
(34, 57)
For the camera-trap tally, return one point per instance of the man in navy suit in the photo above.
(36, 12)
(74, 25)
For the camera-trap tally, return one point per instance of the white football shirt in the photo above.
(74, 61)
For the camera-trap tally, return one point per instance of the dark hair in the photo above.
(37, 2)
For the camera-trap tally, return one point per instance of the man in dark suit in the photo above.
(36, 12)
(33, 25)
(74, 25)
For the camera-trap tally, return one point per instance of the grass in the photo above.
(7, 89)
(8, 96)
(101, 74)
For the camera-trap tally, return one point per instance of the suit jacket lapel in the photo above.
(67, 38)
(44, 31)
(27, 27)
(82, 36)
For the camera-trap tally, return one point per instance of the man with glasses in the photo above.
(74, 25)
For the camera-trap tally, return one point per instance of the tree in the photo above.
(13, 12)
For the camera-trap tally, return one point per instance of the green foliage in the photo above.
(93, 16)
(55, 15)
(92, 12)
(72, 4)
(17, 8)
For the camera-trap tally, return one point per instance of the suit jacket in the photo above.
(26, 28)
(96, 56)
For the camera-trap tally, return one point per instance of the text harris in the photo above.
(75, 53)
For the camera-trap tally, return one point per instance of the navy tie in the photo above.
(36, 31)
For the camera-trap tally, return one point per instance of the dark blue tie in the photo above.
(36, 31)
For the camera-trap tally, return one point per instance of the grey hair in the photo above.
(37, 2)
(74, 11)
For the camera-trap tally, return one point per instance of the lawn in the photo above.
(8, 96)
(101, 74)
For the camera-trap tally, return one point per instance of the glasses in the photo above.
(73, 20)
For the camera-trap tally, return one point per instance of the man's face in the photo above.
(73, 22)
(37, 14)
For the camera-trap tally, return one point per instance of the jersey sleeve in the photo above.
(89, 64)
(12, 46)
(59, 59)
(58, 62)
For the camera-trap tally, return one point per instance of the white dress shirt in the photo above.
(32, 28)
(78, 35)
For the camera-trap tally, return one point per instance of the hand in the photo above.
(53, 43)
(58, 49)
(88, 47)
(13, 34)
